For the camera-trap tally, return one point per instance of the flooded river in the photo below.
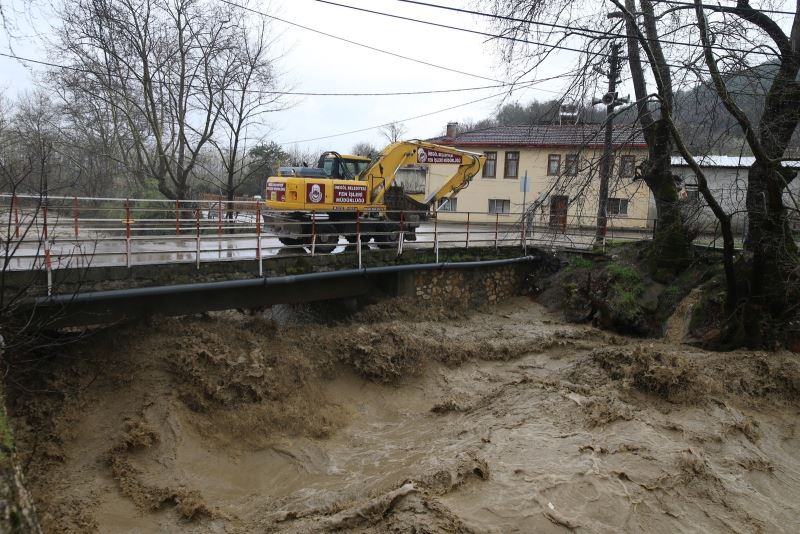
(501, 420)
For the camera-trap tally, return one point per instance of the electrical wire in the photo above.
(259, 91)
(465, 30)
(423, 115)
(525, 41)
(599, 33)
(362, 45)
(707, 6)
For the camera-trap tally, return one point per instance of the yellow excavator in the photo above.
(353, 195)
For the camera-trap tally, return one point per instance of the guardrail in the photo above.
(60, 232)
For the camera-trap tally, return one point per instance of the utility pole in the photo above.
(610, 100)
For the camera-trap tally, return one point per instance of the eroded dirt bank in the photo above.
(497, 421)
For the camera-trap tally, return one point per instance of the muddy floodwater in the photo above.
(405, 420)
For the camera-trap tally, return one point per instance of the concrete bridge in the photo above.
(80, 260)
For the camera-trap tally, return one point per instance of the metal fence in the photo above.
(77, 232)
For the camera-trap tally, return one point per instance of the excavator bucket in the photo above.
(396, 199)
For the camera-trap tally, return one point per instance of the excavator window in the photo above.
(327, 166)
(353, 168)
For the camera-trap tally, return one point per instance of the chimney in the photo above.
(452, 129)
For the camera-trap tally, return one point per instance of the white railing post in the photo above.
(128, 233)
(466, 245)
(313, 233)
(258, 240)
(496, 227)
(177, 217)
(401, 235)
(75, 216)
(47, 260)
(219, 223)
(197, 225)
(358, 237)
(15, 209)
(436, 238)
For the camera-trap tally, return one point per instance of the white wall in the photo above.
(582, 190)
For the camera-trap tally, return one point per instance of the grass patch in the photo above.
(624, 274)
(579, 262)
(6, 439)
(625, 287)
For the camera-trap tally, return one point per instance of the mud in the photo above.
(504, 420)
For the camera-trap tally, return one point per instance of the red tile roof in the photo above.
(545, 135)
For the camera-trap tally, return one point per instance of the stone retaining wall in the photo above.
(470, 287)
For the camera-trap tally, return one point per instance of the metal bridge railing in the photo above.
(77, 232)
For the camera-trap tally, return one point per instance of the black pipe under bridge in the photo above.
(104, 307)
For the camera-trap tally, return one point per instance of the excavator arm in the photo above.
(382, 172)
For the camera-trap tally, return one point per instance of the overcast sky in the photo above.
(311, 62)
(316, 63)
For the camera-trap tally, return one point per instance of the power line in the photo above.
(261, 91)
(456, 28)
(707, 6)
(525, 41)
(362, 45)
(428, 114)
(596, 54)
(599, 33)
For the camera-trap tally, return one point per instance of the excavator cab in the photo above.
(342, 166)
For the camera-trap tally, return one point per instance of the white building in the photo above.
(727, 181)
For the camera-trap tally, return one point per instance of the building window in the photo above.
(448, 204)
(490, 167)
(511, 169)
(571, 165)
(499, 205)
(627, 166)
(553, 164)
(692, 193)
(617, 207)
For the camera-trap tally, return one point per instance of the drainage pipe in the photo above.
(178, 289)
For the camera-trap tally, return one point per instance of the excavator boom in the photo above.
(382, 172)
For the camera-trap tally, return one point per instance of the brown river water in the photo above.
(405, 420)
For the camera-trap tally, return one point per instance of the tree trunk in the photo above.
(772, 254)
(670, 250)
(17, 512)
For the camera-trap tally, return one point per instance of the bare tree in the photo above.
(251, 95)
(565, 27)
(301, 157)
(393, 132)
(95, 145)
(666, 51)
(665, 132)
(771, 248)
(165, 67)
(365, 149)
